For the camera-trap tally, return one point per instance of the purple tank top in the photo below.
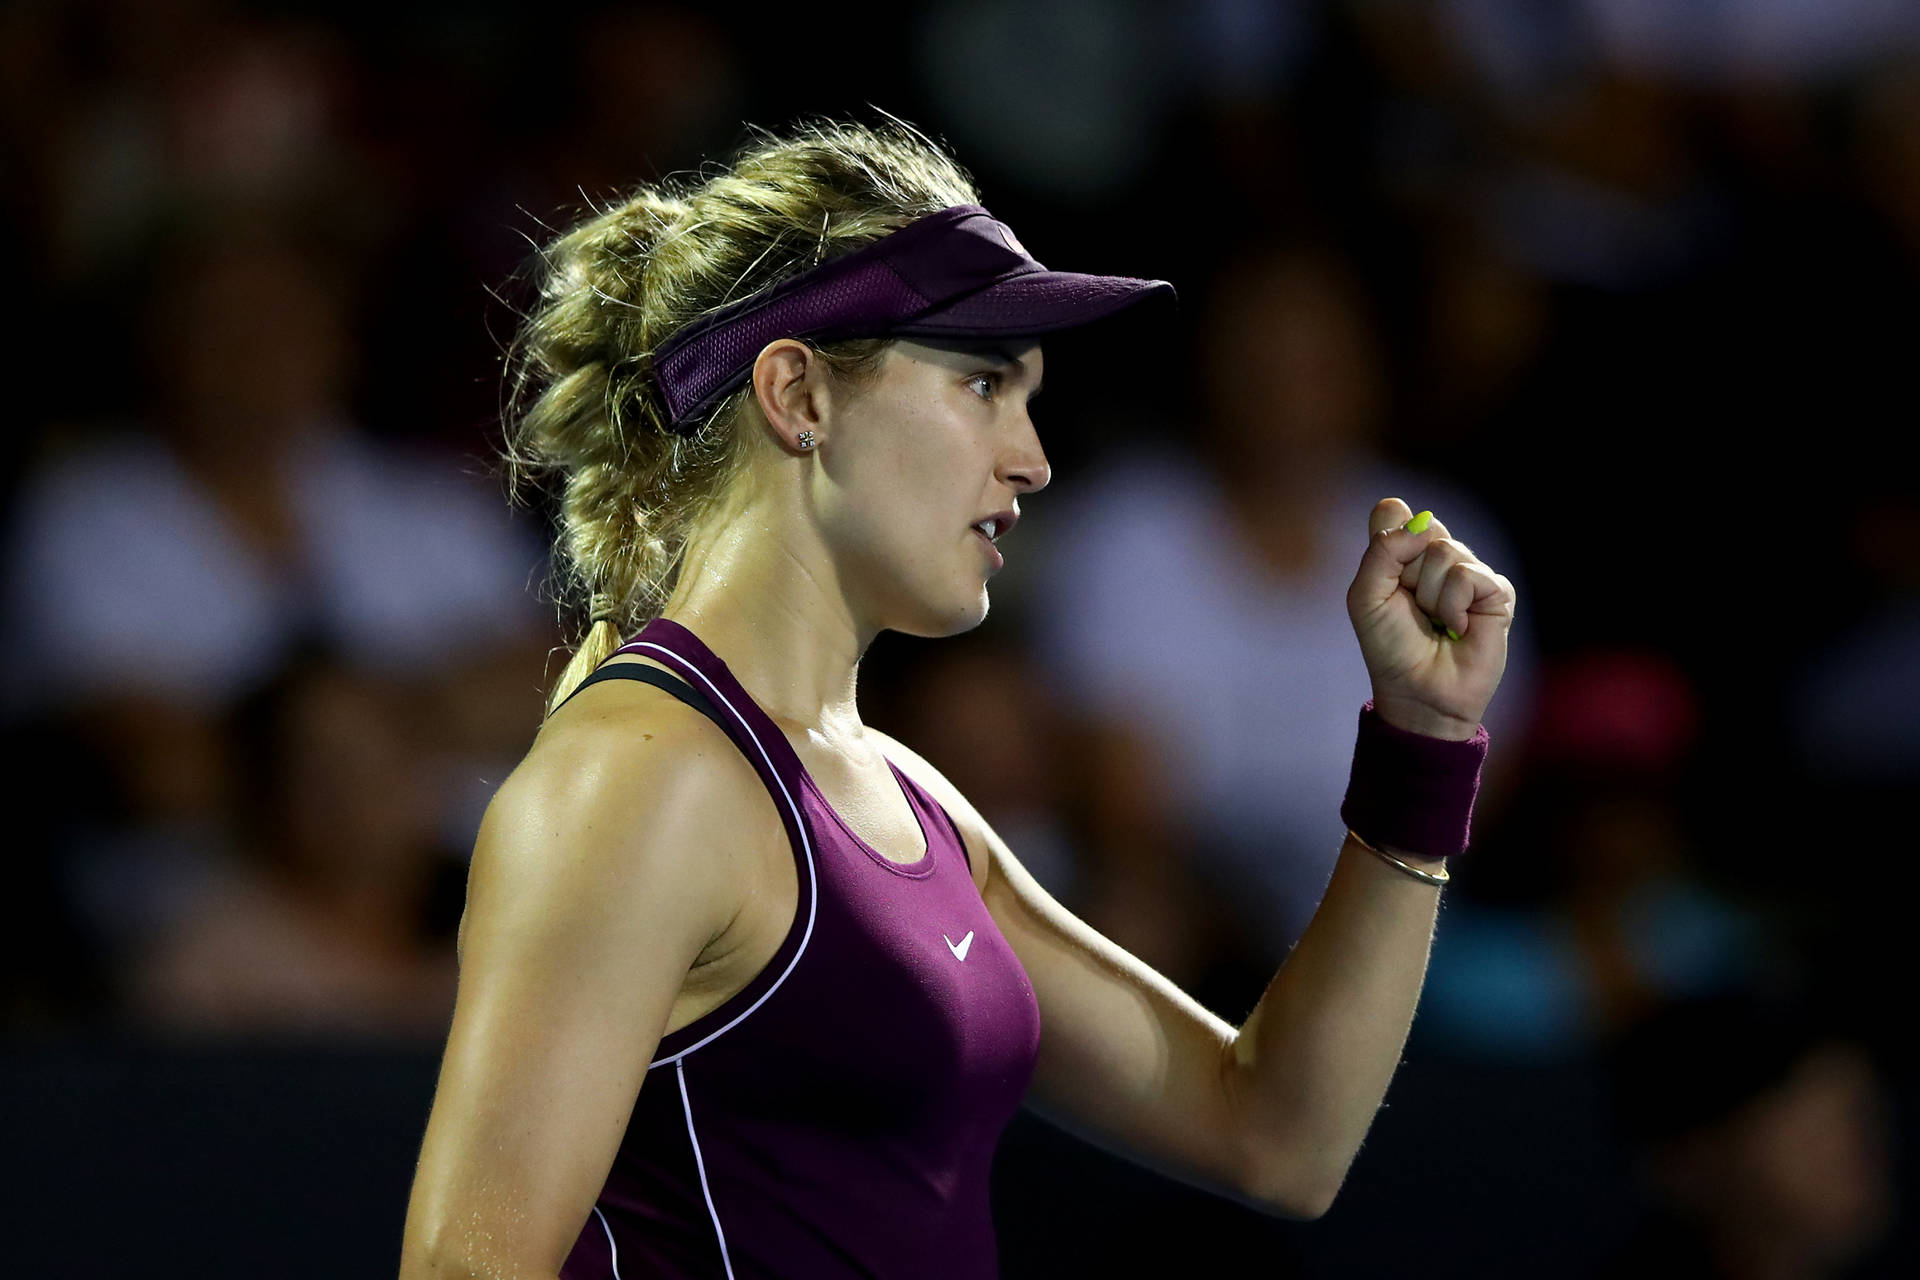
(839, 1116)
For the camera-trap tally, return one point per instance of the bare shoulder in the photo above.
(974, 830)
(625, 791)
(607, 864)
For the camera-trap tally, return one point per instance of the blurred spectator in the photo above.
(657, 87)
(1531, 47)
(158, 573)
(1200, 601)
(1484, 323)
(1064, 96)
(190, 103)
(1851, 747)
(1887, 146)
(1582, 170)
(1735, 41)
(1761, 1139)
(322, 922)
(1856, 705)
(1586, 906)
(184, 560)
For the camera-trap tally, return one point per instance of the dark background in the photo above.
(1642, 289)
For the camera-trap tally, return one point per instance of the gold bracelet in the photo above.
(1426, 877)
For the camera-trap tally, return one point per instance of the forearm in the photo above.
(1311, 1065)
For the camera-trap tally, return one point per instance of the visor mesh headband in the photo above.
(957, 273)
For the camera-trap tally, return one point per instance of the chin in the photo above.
(933, 622)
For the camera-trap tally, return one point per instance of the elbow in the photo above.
(1312, 1204)
(1296, 1205)
(1287, 1178)
(1294, 1193)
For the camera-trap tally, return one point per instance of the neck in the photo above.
(763, 595)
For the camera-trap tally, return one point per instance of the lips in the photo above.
(993, 552)
(989, 528)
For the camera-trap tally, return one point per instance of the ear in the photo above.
(790, 387)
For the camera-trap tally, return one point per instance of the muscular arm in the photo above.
(1312, 1063)
(597, 880)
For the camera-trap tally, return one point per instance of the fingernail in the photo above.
(1419, 523)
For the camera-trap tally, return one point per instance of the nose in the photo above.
(1024, 467)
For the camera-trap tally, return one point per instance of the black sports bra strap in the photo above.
(660, 680)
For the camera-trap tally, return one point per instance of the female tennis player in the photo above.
(748, 989)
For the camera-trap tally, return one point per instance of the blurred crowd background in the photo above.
(1624, 292)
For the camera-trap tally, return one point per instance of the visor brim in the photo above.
(1031, 304)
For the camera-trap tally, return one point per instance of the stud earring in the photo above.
(806, 440)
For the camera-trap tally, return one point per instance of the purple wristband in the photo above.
(1410, 792)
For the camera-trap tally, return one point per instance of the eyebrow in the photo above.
(1005, 356)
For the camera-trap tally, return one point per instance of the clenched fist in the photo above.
(1412, 591)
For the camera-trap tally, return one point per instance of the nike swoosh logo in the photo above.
(960, 949)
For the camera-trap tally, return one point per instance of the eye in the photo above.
(991, 381)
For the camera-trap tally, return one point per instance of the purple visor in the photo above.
(957, 273)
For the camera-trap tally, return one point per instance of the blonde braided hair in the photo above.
(584, 404)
